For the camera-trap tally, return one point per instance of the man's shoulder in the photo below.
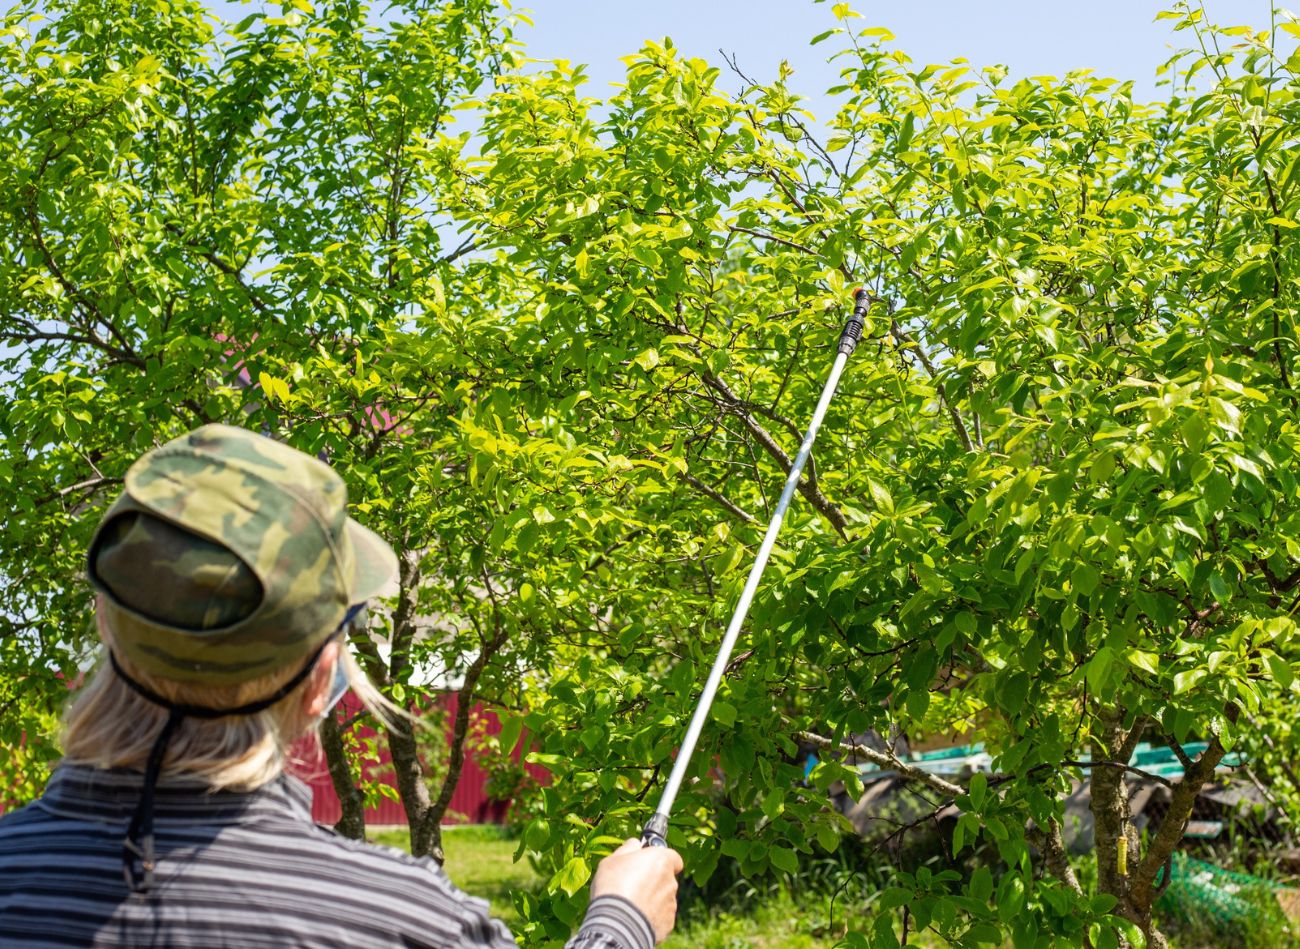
(287, 833)
(21, 817)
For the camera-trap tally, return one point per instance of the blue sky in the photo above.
(1031, 37)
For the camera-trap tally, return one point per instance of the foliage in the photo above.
(243, 224)
(564, 366)
(1058, 503)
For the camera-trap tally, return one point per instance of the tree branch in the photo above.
(886, 760)
(717, 496)
(810, 490)
(1049, 841)
(904, 340)
(1170, 832)
(1145, 775)
(774, 238)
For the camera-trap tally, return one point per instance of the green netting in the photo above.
(1201, 892)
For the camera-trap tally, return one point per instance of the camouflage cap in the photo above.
(229, 555)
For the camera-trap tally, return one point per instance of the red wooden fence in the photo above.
(470, 802)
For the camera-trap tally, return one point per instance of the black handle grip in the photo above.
(652, 834)
(857, 322)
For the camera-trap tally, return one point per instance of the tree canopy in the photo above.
(563, 353)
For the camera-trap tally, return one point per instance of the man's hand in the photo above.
(646, 878)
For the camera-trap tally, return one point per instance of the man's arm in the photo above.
(613, 922)
(633, 899)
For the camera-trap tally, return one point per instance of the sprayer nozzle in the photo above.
(853, 328)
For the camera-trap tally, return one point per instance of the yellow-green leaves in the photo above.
(564, 355)
(276, 389)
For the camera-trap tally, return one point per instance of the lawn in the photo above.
(480, 861)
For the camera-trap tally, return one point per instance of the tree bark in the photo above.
(353, 821)
(1114, 836)
(411, 787)
(1170, 832)
(432, 832)
(1055, 857)
(1122, 870)
(1110, 809)
(424, 811)
(402, 744)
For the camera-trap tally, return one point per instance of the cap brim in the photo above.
(374, 565)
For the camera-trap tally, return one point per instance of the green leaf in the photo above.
(275, 389)
(1084, 579)
(573, 876)
(1012, 692)
(827, 837)
(783, 858)
(1102, 903)
(773, 805)
(724, 713)
(1146, 661)
(884, 501)
(1282, 672)
(1102, 468)
(512, 727)
(1097, 670)
(1010, 897)
(1185, 681)
(537, 834)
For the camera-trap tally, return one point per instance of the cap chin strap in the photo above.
(139, 843)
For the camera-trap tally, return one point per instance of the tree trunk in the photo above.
(411, 788)
(1144, 890)
(424, 812)
(1114, 836)
(402, 743)
(353, 821)
(1122, 871)
(456, 753)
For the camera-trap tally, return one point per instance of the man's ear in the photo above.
(317, 691)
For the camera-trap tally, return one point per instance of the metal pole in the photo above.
(652, 835)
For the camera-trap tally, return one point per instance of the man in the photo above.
(228, 574)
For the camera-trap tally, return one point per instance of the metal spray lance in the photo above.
(652, 835)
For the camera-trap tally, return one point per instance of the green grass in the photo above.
(480, 862)
(768, 922)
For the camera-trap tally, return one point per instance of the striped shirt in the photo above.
(238, 870)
